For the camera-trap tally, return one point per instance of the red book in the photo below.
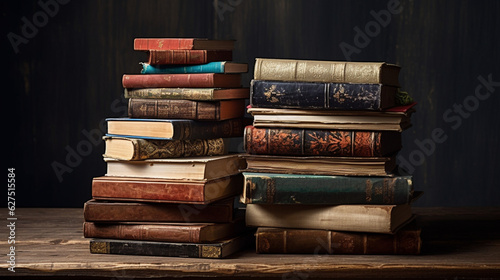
(158, 57)
(146, 44)
(202, 80)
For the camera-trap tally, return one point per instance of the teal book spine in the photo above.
(271, 188)
(211, 67)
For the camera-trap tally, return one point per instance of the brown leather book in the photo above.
(191, 80)
(188, 56)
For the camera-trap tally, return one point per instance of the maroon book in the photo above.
(159, 57)
(197, 80)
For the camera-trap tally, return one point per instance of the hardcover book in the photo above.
(200, 94)
(186, 109)
(158, 57)
(146, 44)
(220, 211)
(385, 219)
(273, 188)
(321, 96)
(216, 250)
(136, 189)
(219, 67)
(175, 129)
(326, 71)
(405, 241)
(320, 142)
(202, 80)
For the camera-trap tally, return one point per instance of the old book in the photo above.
(200, 94)
(175, 129)
(317, 165)
(193, 191)
(405, 241)
(321, 96)
(124, 148)
(158, 57)
(158, 108)
(202, 80)
(220, 211)
(326, 71)
(168, 232)
(146, 44)
(275, 188)
(320, 142)
(358, 218)
(220, 67)
(216, 250)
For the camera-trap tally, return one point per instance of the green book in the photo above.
(272, 188)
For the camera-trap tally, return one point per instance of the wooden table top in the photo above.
(457, 243)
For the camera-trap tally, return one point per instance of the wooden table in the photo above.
(457, 243)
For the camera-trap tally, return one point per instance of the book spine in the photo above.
(145, 248)
(146, 44)
(168, 80)
(211, 67)
(317, 71)
(267, 188)
(318, 142)
(303, 95)
(208, 129)
(145, 232)
(173, 109)
(159, 57)
(200, 94)
(296, 241)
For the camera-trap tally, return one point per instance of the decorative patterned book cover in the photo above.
(202, 80)
(159, 57)
(146, 44)
(220, 67)
(200, 94)
(320, 142)
(321, 96)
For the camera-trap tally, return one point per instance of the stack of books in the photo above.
(321, 176)
(171, 182)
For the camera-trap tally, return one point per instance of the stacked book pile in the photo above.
(321, 176)
(171, 183)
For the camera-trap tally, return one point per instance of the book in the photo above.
(158, 57)
(186, 109)
(220, 211)
(138, 189)
(297, 70)
(174, 129)
(168, 232)
(405, 241)
(147, 44)
(216, 250)
(275, 188)
(321, 96)
(124, 148)
(385, 219)
(200, 94)
(320, 142)
(220, 67)
(319, 165)
(201, 80)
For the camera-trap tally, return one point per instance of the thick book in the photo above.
(157, 108)
(321, 165)
(168, 232)
(175, 129)
(275, 188)
(147, 44)
(385, 219)
(199, 94)
(326, 71)
(124, 148)
(137, 189)
(159, 57)
(321, 96)
(406, 241)
(220, 211)
(219, 67)
(215, 250)
(202, 80)
(320, 142)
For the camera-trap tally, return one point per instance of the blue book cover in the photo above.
(218, 67)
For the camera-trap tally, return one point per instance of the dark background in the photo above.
(65, 79)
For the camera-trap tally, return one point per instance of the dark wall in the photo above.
(63, 78)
